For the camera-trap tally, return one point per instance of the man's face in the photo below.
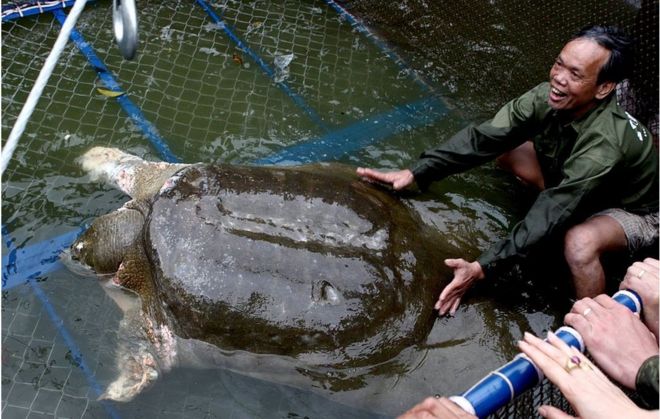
(573, 77)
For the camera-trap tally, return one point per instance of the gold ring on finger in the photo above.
(572, 363)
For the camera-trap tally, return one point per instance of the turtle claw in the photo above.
(137, 373)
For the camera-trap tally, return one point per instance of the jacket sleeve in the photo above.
(646, 382)
(475, 145)
(583, 172)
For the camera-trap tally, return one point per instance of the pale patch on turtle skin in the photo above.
(139, 366)
(138, 178)
(112, 166)
(138, 371)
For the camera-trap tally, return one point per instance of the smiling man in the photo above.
(595, 167)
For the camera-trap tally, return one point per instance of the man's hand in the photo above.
(432, 408)
(465, 273)
(644, 279)
(617, 339)
(399, 179)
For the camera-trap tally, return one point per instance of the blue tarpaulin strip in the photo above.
(129, 107)
(264, 66)
(360, 134)
(49, 257)
(20, 265)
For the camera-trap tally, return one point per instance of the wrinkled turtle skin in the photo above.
(275, 260)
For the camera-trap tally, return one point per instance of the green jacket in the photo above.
(646, 382)
(606, 159)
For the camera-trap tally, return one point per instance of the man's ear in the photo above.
(604, 89)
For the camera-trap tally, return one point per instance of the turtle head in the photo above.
(105, 244)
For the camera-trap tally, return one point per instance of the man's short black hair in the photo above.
(620, 46)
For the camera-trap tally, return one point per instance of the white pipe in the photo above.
(38, 88)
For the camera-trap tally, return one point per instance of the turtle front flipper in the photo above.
(147, 346)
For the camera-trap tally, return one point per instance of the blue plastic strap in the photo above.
(129, 107)
(20, 265)
(360, 134)
(263, 65)
(357, 25)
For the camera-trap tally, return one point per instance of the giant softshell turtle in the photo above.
(308, 263)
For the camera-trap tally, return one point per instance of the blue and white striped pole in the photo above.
(512, 379)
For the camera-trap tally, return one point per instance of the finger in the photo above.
(551, 369)
(559, 344)
(446, 292)
(580, 323)
(452, 407)
(433, 408)
(580, 306)
(548, 347)
(373, 174)
(552, 412)
(399, 182)
(427, 404)
(420, 407)
(605, 301)
(453, 263)
(637, 270)
(652, 262)
(445, 306)
(650, 269)
(454, 307)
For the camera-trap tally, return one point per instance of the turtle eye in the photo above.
(76, 250)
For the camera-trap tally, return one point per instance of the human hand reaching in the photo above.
(465, 273)
(398, 179)
(436, 408)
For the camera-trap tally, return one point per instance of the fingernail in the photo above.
(543, 411)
